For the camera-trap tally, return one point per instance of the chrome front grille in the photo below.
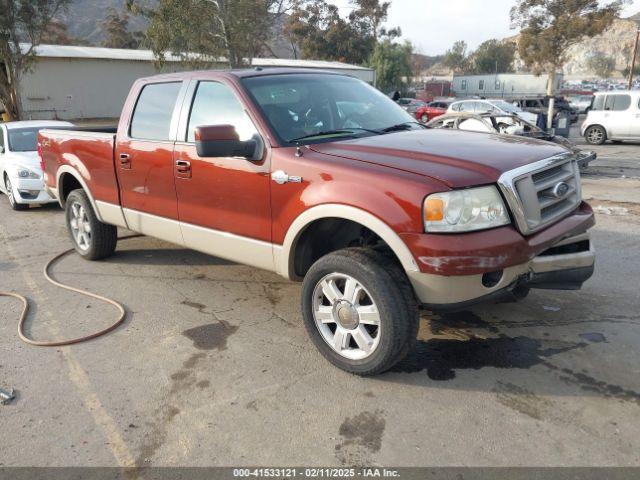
(543, 192)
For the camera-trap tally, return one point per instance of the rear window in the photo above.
(617, 103)
(154, 111)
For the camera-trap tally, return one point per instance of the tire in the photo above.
(595, 135)
(12, 201)
(92, 239)
(384, 308)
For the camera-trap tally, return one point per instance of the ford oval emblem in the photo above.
(561, 190)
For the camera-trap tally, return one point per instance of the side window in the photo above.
(456, 107)
(464, 85)
(481, 107)
(617, 103)
(481, 84)
(154, 111)
(466, 107)
(215, 104)
(598, 103)
(497, 85)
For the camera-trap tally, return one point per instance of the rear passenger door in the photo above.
(144, 162)
(618, 115)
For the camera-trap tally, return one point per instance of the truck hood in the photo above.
(456, 158)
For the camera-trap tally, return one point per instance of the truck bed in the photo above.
(88, 152)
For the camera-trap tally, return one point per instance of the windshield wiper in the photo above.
(345, 131)
(402, 126)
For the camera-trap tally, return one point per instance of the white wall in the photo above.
(79, 88)
(510, 85)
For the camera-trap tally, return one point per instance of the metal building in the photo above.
(503, 85)
(82, 83)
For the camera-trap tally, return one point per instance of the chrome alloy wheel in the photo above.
(80, 226)
(9, 189)
(595, 136)
(346, 316)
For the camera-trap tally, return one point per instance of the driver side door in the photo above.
(223, 203)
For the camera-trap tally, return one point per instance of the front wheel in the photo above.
(93, 240)
(12, 199)
(360, 311)
(595, 135)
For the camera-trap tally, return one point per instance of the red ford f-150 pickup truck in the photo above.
(325, 180)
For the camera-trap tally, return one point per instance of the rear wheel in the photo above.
(12, 199)
(359, 310)
(595, 135)
(93, 240)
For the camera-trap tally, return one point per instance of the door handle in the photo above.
(183, 169)
(125, 161)
(183, 166)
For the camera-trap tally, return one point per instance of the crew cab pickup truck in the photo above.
(323, 179)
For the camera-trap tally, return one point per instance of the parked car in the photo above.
(411, 105)
(493, 123)
(374, 213)
(613, 116)
(581, 103)
(21, 177)
(540, 106)
(491, 106)
(432, 110)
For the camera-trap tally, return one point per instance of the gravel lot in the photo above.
(214, 367)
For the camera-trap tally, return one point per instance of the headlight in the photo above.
(465, 210)
(26, 173)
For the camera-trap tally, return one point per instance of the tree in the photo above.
(201, 32)
(456, 57)
(392, 62)
(324, 34)
(116, 25)
(602, 66)
(550, 27)
(627, 71)
(21, 21)
(494, 56)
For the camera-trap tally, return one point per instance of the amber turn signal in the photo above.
(434, 210)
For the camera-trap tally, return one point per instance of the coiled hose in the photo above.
(122, 314)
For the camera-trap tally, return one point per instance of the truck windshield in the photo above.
(311, 108)
(23, 139)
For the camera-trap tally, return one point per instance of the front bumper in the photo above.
(30, 191)
(585, 158)
(564, 266)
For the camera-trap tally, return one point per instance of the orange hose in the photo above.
(122, 314)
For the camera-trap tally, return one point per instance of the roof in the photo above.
(72, 51)
(35, 123)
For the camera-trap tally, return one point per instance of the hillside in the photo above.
(84, 19)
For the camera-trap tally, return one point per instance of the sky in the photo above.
(433, 25)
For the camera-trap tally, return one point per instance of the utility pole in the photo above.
(633, 62)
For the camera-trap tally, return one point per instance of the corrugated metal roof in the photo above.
(68, 51)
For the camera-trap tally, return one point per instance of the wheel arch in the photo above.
(595, 124)
(67, 173)
(286, 255)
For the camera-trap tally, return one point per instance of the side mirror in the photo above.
(224, 141)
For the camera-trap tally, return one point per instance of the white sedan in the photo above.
(21, 176)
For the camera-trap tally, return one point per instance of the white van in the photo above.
(613, 116)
